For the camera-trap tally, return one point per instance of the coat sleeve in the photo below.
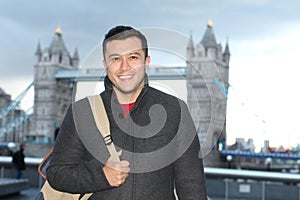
(72, 169)
(188, 169)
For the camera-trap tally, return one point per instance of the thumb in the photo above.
(115, 157)
(119, 153)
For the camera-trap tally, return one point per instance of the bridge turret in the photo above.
(38, 53)
(190, 50)
(58, 51)
(226, 54)
(55, 55)
(66, 59)
(75, 59)
(209, 41)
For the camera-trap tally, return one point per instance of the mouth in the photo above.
(126, 77)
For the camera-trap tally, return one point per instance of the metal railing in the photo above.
(221, 183)
(250, 184)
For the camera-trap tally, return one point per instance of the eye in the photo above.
(133, 57)
(114, 59)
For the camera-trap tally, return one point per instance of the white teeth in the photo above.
(125, 76)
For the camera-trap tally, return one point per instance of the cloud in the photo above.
(263, 73)
(15, 53)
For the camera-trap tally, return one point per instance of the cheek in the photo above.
(110, 74)
(111, 70)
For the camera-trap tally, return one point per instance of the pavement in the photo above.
(31, 193)
(27, 194)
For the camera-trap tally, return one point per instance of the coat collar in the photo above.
(109, 90)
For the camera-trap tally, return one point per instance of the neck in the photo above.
(125, 98)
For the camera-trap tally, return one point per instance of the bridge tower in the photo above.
(51, 96)
(207, 70)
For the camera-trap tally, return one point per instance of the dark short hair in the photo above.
(122, 33)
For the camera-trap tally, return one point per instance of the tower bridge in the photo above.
(204, 80)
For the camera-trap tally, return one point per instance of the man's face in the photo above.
(126, 64)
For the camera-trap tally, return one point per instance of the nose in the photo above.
(124, 63)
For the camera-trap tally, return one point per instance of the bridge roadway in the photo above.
(236, 153)
(98, 74)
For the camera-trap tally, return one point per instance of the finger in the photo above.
(126, 175)
(124, 166)
(121, 179)
(124, 163)
(122, 170)
(125, 170)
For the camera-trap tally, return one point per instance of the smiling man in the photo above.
(159, 147)
(126, 63)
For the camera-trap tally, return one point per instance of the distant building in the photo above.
(51, 96)
(17, 133)
(5, 99)
(207, 72)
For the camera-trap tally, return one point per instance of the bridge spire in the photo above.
(210, 23)
(190, 48)
(58, 30)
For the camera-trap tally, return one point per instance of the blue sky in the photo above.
(263, 38)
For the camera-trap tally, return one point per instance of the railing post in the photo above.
(40, 181)
(2, 171)
(226, 188)
(263, 190)
(299, 191)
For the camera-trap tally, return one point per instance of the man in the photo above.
(19, 161)
(159, 147)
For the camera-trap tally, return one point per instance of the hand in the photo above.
(116, 172)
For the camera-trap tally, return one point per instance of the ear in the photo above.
(104, 64)
(147, 62)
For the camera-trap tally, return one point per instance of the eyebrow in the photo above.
(112, 55)
(135, 53)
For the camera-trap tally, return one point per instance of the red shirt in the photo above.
(127, 108)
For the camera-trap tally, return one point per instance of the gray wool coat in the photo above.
(158, 138)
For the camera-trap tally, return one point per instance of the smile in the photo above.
(126, 77)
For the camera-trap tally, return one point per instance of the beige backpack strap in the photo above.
(86, 196)
(102, 124)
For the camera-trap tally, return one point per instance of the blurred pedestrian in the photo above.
(19, 161)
